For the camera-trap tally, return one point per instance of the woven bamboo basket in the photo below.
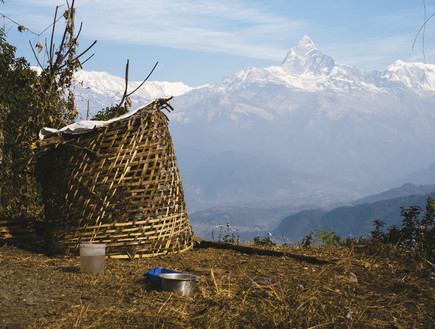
(119, 185)
(21, 228)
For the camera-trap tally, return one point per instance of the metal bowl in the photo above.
(178, 282)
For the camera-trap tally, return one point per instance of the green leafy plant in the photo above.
(18, 128)
(377, 234)
(28, 102)
(327, 238)
(307, 241)
(416, 234)
(265, 242)
(110, 113)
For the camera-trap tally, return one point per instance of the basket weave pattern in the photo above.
(117, 185)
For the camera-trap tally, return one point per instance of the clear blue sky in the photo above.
(203, 41)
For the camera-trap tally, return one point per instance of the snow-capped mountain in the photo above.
(417, 76)
(102, 89)
(332, 131)
(306, 72)
(306, 68)
(319, 71)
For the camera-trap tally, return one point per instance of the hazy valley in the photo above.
(310, 133)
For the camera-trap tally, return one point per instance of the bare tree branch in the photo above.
(155, 65)
(126, 93)
(126, 84)
(421, 28)
(60, 58)
(51, 53)
(36, 57)
(84, 52)
(87, 59)
(424, 31)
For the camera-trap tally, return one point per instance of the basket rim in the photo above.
(86, 126)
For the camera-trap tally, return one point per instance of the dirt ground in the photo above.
(357, 291)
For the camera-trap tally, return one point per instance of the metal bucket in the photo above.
(178, 282)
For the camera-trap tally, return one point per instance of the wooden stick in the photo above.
(200, 243)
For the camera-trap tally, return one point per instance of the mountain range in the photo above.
(309, 132)
(356, 220)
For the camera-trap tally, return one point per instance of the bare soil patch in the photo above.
(357, 291)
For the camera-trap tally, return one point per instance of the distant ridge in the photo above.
(349, 220)
(404, 190)
(422, 176)
(356, 219)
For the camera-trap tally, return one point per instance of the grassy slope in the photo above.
(361, 290)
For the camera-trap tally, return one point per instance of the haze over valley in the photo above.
(308, 133)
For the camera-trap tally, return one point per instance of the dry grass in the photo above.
(359, 291)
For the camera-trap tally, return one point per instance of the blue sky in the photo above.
(203, 41)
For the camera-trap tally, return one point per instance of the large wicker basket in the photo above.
(118, 184)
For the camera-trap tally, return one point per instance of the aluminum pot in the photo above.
(178, 282)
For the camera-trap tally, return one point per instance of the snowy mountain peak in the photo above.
(305, 58)
(305, 45)
(418, 76)
(102, 89)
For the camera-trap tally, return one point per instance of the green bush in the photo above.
(29, 102)
(325, 237)
(110, 113)
(265, 242)
(417, 232)
(19, 127)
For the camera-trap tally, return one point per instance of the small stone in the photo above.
(352, 277)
